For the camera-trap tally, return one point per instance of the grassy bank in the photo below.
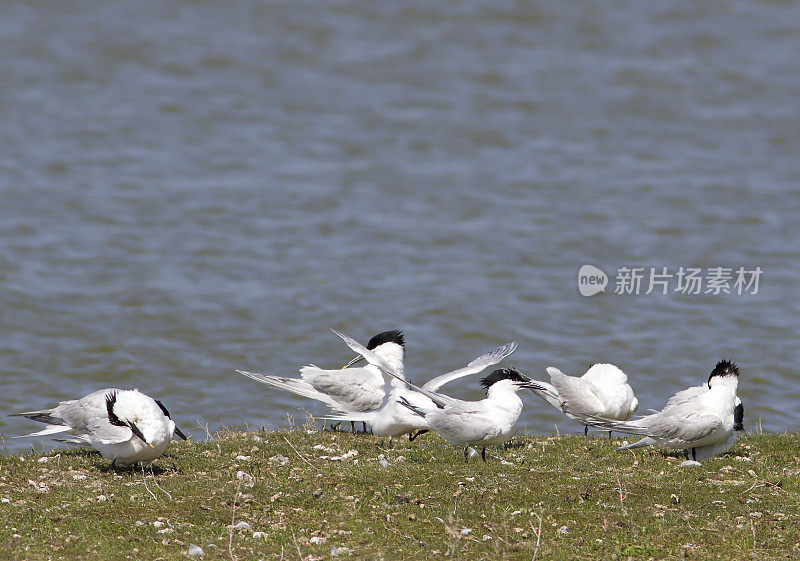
(305, 494)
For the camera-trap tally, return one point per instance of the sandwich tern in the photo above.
(393, 419)
(603, 391)
(699, 419)
(345, 390)
(492, 420)
(125, 426)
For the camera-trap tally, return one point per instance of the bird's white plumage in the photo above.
(393, 419)
(699, 419)
(88, 422)
(603, 391)
(346, 391)
(492, 420)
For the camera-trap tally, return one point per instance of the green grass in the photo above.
(545, 497)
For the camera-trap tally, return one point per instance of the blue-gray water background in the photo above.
(190, 188)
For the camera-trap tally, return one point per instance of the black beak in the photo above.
(531, 386)
(138, 433)
(180, 433)
(354, 360)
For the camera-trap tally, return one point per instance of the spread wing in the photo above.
(477, 365)
(388, 369)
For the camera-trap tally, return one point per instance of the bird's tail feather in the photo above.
(293, 385)
(414, 409)
(646, 441)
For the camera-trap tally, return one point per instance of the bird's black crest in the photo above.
(111, 399)
(163, 409)
(394, 336)
(502, 374)
(724, 368)
(738, 417)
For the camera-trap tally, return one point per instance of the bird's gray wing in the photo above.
(465, 422)
(683, 396)
(388, 369)
(474, 367)
(104, 432)
(684, 423)
(578, 396)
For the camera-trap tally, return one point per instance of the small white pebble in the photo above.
(241, 525)
(382, 461)
(243, 458)
(257, 438)
(158, 524)
(79, 476)
(5, 500)
(689, 463)
(245, 478)
(466, 531)
(138, 523)
(166, 531)
(43, 460)
(279, 459)
(563, 531)
(317, 540)
(194, 551)
(102, 498)
(337, 551)
(258, 535)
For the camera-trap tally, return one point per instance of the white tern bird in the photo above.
(699, 419)
(603, 391)
(125, 426)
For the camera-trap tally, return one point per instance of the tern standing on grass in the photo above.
(699, 420)
(125, 426)
(602, 392)
(345, 390)
(492, 420)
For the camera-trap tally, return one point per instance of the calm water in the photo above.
(190, 189)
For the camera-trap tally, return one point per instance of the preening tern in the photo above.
(125, 426)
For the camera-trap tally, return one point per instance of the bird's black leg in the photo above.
(411, 436)
(335, 426)
(694, 454)
(586, 430)
(364, 426)
(114, 463)
(483, 454)
(609, 434)
(466, 453)
(353, 427)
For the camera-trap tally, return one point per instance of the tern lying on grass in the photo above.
(602, 392)
(699, 420)
(393, 419)
(346, 390)
(492, 420)
(125, 426)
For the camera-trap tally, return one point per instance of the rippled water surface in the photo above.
(188, 189)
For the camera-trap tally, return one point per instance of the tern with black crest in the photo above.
(492, 420)
(699, 419)
(345, 390)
